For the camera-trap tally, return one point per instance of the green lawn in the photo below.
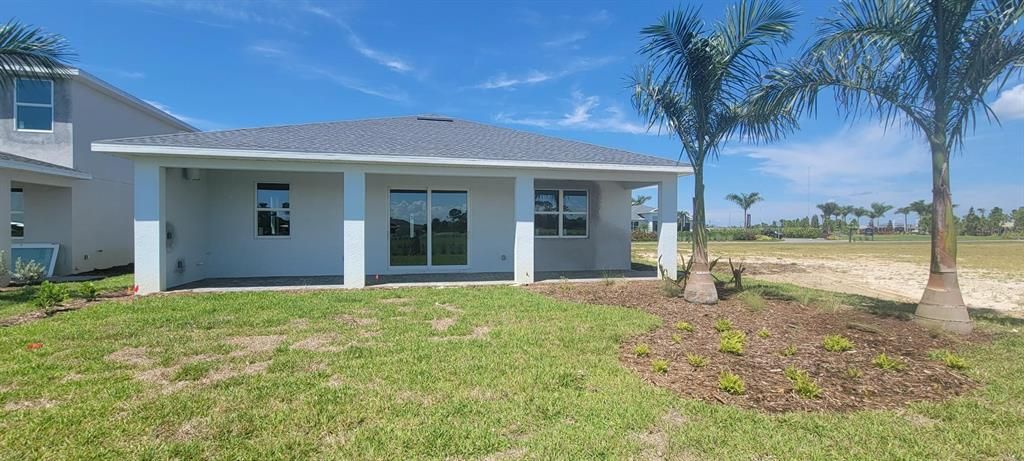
(365, 375)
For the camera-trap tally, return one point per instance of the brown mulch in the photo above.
(761, 365)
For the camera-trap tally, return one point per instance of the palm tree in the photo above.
(27, 49)
(859, 212)
(905, 211)
(928, 64)
(845, 211)
(828, 209)
(745, 201)
(877, 211)
(683, 220)
(640, 200)
(697, 85)
(922, 209)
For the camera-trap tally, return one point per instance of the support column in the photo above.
(150, 230)
(524, 207)
(668, 251)
(5, 232)
(355, 228)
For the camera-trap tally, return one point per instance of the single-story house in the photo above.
(644, 218)
(367, 198)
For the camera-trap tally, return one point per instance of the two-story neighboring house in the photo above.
(70, 207)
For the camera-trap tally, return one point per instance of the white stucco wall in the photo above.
(48, 219)
(186, 221)
(102, 206)
(232, 248)
(607, 246)
(491, 225)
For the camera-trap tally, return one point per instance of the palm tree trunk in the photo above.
(942, 305)
(700, 286)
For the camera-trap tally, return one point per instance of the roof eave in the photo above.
(34, 168)
(140, 150)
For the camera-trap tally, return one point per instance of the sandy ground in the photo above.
(886, 279)
(897, 281)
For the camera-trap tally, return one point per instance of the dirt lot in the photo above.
(991, 274)
(848, 380)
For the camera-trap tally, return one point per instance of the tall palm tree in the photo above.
(828, 209)
(745, 201)
(925, 63)
(859, 212)
(697, 85)
(905, 211)
(921, 209)
(27, 49)
(641, 199)
(877, 211)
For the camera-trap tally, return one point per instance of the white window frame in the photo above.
(31, 104)
(257, 210)
(430, 227)
(53, 257)
(20, 212)
(561, 213)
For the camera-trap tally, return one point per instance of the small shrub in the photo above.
(696, 361)
(684, 326)
(670, 288)
(731, 383)
(732, 341)
(88, 291)
(49, 295)
(642, 350)
(803, 385)
(28, 272)
(754, 301)
(950, 359)
(854, 373)
(837, 343)
(789, 351)
(888, 363)
(608, 280)
(676, 338)
(764, 333)
(659, 365)
(723, 325)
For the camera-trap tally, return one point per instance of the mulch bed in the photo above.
(761, 365)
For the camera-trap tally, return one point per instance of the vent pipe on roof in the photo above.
(435, 118)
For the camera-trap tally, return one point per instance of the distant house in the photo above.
(70, 208)
(391, 196)
(644, 218)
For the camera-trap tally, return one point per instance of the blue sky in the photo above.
(553, 67)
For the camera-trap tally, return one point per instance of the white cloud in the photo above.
(584, 114)
(1010, 104)
(278, 54)
(502, 80)
(238, 11)
(857, 159)
(201, 123)
(598, 17)
(356, 42)
(567, 40)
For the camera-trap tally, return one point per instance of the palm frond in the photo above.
(25, 49)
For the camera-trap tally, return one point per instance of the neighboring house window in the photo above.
(17, 213)
(273, 210)
(33, 105)
(560, 213)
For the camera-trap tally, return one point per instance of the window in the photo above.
(560, 213)
(17, 213)
(273, 210)
(437, 238)
(33, 105)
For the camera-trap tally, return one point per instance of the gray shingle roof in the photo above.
(424, 136)
(4, 156)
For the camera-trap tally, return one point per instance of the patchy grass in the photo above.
(373, 379)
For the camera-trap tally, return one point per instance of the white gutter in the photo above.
(132, 150)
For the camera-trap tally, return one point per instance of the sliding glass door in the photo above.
(439, 237)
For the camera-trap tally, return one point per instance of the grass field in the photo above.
(424, 373)
(18, 301)
(996, 255)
